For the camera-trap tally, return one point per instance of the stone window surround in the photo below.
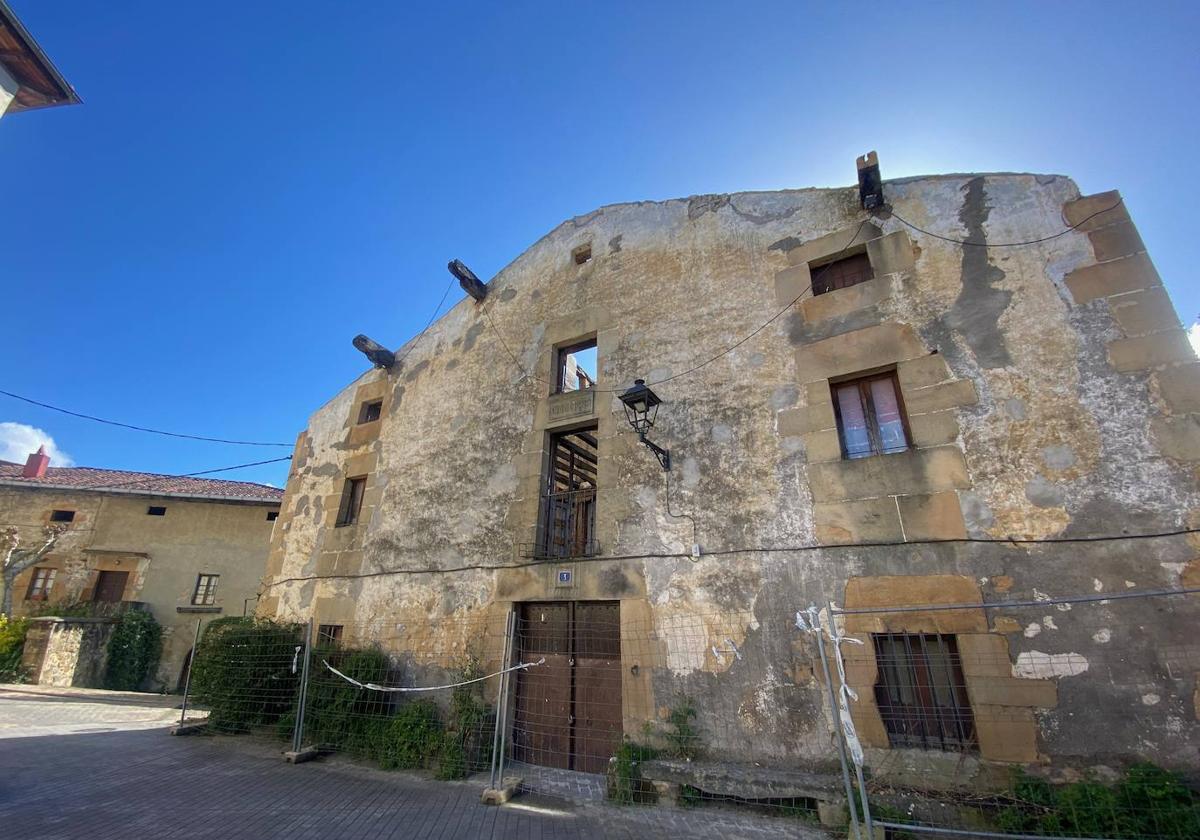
(1003, 705)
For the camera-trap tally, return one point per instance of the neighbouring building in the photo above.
(931, 423)
(28, 79)
(182, 548)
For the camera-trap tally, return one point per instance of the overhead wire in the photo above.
(968, 242)
(805, 547)
(139, 428)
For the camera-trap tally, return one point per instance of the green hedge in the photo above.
(12, 645)
(133, 651)
(242, 671)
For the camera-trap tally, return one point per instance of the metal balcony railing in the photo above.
(567, 526)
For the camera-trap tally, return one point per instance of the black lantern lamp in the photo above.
(641, 409)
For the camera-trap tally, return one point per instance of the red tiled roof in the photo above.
(152, 484)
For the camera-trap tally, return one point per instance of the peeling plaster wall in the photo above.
(1024, 423)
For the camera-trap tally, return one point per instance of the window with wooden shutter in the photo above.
(841, 274)
(870, 416)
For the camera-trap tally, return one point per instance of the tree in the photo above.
(16, 559)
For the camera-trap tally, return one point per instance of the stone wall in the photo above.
(1049, 391)
(67, 651)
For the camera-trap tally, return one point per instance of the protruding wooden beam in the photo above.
(471, 284)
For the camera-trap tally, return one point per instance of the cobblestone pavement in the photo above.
(100, 765)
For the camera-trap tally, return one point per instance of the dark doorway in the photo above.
(110, 586)
(568, 711)
(568, 515)
(183, 672)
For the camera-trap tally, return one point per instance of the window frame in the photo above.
(42, 592)
(818, 272)
(350, 506)
(59, 515)
(329, 634)
(272, 515)
(156, 510)
(205, 592)
(925, 725)
(560, 365)
(870, 414)
(370, 407)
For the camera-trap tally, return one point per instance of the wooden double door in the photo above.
(568, 710)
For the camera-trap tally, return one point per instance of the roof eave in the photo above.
(78, 488)
(69, 96)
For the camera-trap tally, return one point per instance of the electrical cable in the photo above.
(412, 346)
(667, 498)
(528, 375)
(138, 428)
(1063, 232)
(473, 567)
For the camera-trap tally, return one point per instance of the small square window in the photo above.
(841, 274)
(40, 584)
(156, 510)
(352, 498)
(370, 411)
(205, 594)
(272, 515)
(62, 516)
(870, 416)
(576, 367)
(329, 634)
(582, 254)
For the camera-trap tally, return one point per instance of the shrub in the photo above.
(1147, 801)
(412, 737)
(467, 745)
(133, 651)
(625, 783)
(12, 646)
(339, 714)
(683, 739)
(242, 670)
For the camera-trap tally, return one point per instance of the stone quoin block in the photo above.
(871, 520)
(1128, 274)
(1144, 352)
(1115, 241)
(937, 428)
(892, 253)
(1097, 207)
(1179, 386)
(1147, 311)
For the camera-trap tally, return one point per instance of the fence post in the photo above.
(298, 731)
(837, 724)
(502, 714)
(835, 637)
(187, 679)
(501, 696)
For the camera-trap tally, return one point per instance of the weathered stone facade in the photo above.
(1049, 393)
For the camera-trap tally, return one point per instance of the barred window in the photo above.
(206, 590)
(329, 634)
(40, 584)
(921, 692)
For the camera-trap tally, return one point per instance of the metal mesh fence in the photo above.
(1059, 717)
(1064, 717)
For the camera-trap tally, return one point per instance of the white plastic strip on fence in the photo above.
(407, 689)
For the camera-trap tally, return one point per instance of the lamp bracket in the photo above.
(663, 455)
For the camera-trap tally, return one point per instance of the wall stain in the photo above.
(976, 312)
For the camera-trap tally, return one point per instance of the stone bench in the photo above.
(746, 782)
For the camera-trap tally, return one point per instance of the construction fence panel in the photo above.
(1062, 717)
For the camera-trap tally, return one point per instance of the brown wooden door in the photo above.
(110, 586)
(568, 710)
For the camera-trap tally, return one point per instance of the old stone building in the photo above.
(855, 411)
(182, 548)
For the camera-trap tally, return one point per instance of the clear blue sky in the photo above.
(249, 185)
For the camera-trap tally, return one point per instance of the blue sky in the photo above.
(249, 185)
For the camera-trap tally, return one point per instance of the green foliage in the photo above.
(412, 737)
(12, 645)
(338, 714)
(887, 813)
(242, 670)
(133, 651)
(63, 609)
(625, 783)
(683, 739)
(690, 797)
(1148, 801)
(467, 742)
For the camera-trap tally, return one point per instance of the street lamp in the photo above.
(641, 410)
